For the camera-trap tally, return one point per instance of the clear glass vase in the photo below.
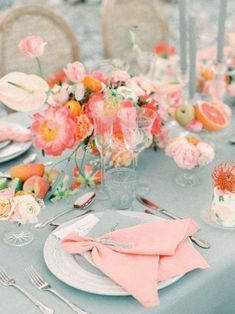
(19, 235)
(188, 178)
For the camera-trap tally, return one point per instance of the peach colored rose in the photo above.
(122, 158)
(6, 209)
(26, 209)
(75, 72)
(84, 127)
(32, 46)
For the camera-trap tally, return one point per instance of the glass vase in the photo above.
(19, 235)
(188, 178)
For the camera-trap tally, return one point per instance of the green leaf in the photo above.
(56, 184)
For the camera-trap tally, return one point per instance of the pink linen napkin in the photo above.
(138, 257)
(13, 134)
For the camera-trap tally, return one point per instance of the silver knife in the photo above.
(201, 243)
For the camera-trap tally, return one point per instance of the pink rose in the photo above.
(32, 46)
(75, 72)
(120, 76)
(186, 156)
(26, 209)
(174, 145)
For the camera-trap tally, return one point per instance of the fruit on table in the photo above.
(74, 107)
(25, 171)
(92, 84)
(212, 117)
(16, 185)
(37, 186)
(184, 114)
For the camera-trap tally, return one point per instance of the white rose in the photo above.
(26, 209)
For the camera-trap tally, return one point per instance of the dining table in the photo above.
(208, 291)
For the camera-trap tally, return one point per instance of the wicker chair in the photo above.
(118, 16)
(62, 45)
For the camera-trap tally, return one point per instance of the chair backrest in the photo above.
(118, 16)
(62, 45)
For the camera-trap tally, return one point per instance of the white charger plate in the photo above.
(14, 149)
(66, 268)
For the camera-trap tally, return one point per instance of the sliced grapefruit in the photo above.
(212, 117)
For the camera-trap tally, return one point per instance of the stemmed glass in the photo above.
(136, 127)
(103, 127)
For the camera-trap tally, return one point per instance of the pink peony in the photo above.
(174, 145)
(98, 75)
(186, 156)
(54, 130)
(75, 72)
(32, 46)
(120, 76)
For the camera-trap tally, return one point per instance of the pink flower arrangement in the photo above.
(188, 153)
(32, 46)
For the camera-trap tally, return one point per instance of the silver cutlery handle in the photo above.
(74, 307)
(201, 243)
(46, 222)
(169, 214)
(43, 308)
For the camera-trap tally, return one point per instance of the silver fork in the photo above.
(8, 281)
(41, 284)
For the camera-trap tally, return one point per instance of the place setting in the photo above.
(121, 188)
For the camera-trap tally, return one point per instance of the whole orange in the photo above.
(74, 107)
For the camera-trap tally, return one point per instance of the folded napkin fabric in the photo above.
(7, 132)
(138, 257)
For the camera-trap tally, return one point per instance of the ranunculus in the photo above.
(26, 209)
(164, 50)
(75, 72)
(120, 76)
(54, 130)
(84, 127)
(32, 46)
(207, 153)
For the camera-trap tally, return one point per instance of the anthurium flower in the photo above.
(54, 130)
(23, 92)
(91, 177)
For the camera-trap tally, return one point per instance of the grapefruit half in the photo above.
(212, 117)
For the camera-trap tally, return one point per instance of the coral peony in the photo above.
(54, 130)
(32, 46)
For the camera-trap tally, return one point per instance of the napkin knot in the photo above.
(118, 244)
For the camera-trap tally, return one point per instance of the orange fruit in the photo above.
(74, 107)
(92, 84)
(212, 117)
(207, 74)
(25, 171)
(193, 140)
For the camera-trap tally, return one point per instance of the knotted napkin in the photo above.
(7, 132)
(138, 257)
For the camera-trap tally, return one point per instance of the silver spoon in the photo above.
(232, 139)
(32, 157)
(86, 200)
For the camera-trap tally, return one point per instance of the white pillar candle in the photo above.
(221, 30)
(183, 36)
(192, 57)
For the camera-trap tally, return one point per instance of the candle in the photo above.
(192, 56)
(221, 30)
(183, 36)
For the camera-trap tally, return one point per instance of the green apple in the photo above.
(184, 114)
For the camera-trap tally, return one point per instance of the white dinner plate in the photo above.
(4, 144)
(67, 268)
(14, 149)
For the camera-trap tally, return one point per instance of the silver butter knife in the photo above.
(199, 242)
